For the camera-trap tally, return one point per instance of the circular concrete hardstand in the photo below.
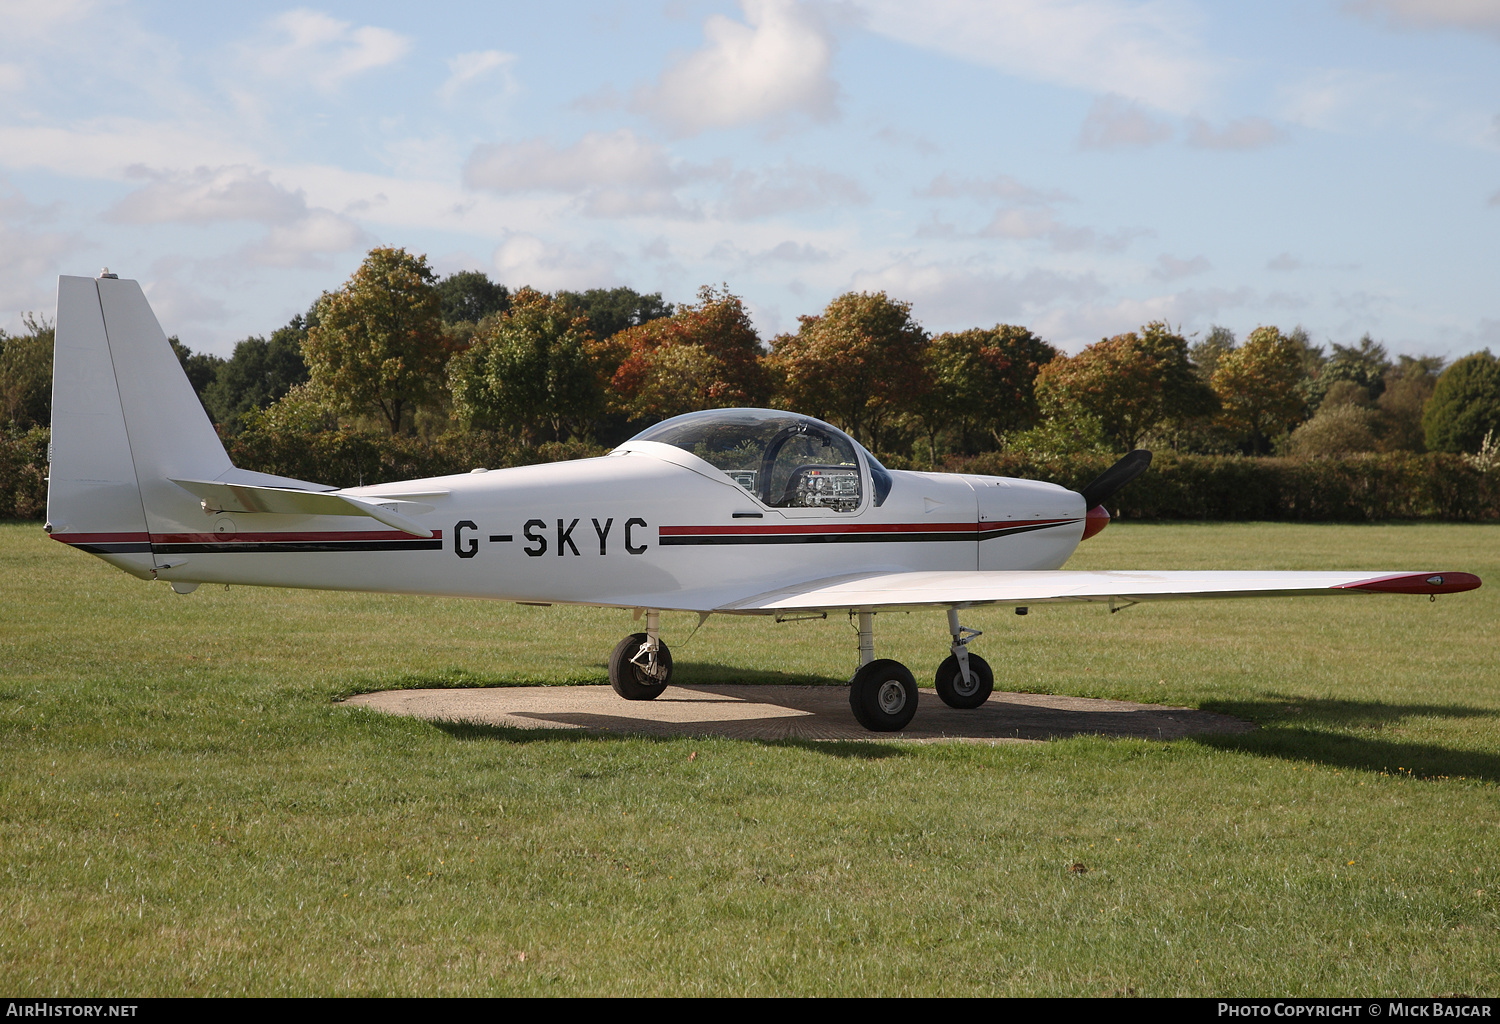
(794, 712)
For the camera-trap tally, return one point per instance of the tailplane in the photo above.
(126, 423)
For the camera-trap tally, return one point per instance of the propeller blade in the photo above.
(1112, 479)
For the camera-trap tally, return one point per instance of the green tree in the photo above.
(379, 346)
(703, 356)
(1131, 384)
(1465, 405)
(1206, 354)
(26, 374)
(611, 310)
(1259, 387)
(859, 365)
(1364, 364)
(201, 368)
(983, 386)
(469, 296)
(1408, 386)
(529, 371)
(259, 373)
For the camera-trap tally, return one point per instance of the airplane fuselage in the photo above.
(648, 524)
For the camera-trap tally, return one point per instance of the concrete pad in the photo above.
(795, 712)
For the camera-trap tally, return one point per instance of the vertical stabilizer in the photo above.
(170, 434)
(92, 498)
(125, 421)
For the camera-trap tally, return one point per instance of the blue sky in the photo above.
(1078, 166)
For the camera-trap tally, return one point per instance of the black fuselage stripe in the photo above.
(231, 547)
(852, 538)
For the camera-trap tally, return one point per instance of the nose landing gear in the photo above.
(640, 666)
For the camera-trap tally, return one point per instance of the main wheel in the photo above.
(958, 694)
(628, 671)
(883, 695)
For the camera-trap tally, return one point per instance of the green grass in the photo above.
(184, 810)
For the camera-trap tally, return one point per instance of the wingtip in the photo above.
(1417, 583)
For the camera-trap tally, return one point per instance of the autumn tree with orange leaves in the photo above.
(1131, 384)
(704, 356)
(858, 365)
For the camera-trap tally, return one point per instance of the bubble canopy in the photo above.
(785, 459)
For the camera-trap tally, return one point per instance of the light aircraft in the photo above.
(727, 511)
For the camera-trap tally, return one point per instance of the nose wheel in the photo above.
(958, 692)
(640, 666)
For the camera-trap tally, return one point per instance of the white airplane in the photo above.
(727, 511)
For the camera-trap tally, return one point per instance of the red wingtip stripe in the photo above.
(1417, 583)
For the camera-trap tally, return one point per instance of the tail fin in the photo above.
(125, 421)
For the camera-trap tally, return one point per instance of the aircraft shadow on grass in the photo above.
(1299, 729)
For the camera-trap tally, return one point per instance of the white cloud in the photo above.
(1002, 187)
(1144, 51)
(307, 241)
(948, 296)
(773, 64)
(1073, 326)
(1114, 122)
(789, 188)
(25, 18)
(207, 195)
(29, 264)
(1469, 15)
(470, 68)
(313, 47)
(619, 158)
(1030, 223)
(618, 174)
(1020, 223)
(12, 78)
(528, 260)
(781, 253)
(1245, 133)
(106, 149)
(177, 304)
(1170, 268)
(1285, 261)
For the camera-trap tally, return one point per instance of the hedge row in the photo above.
(1360, 489)
(1364, 488)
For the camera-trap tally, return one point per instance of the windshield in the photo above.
(785, 460)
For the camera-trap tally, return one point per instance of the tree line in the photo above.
(400, 351)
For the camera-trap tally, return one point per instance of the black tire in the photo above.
(630, 680)
(883, 696)
(950, 683)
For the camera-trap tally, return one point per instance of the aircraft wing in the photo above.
(898, 590)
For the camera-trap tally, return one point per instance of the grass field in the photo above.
(184, 810)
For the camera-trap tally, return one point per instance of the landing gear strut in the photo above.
(883, 693)
(640, 667)
(964, 680)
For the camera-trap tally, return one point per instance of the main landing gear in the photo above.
(883, 693)
(640, 667)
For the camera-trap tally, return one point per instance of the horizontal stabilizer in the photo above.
(227, 497)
